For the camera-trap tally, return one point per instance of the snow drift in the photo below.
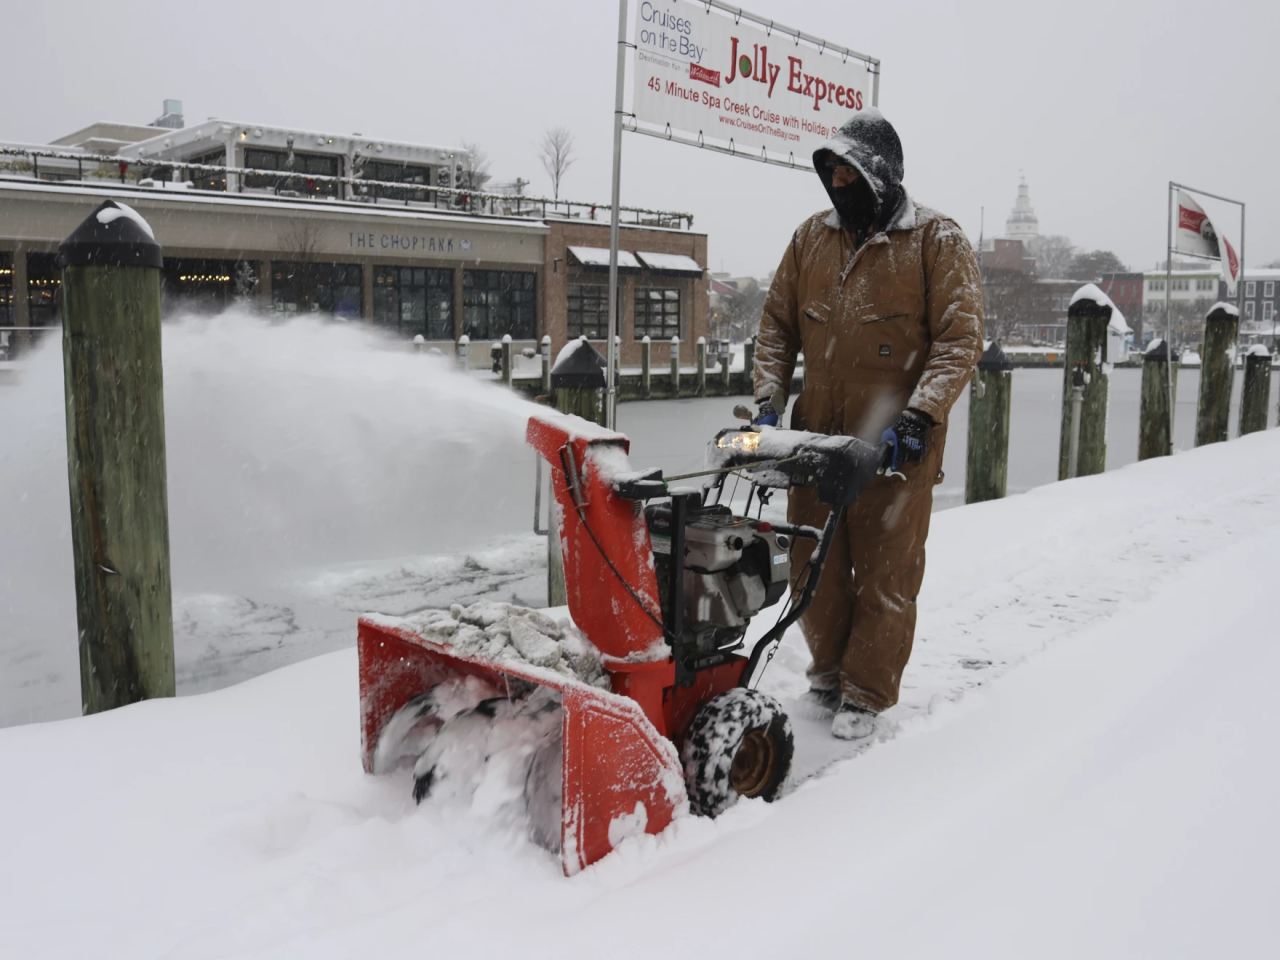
(1080, 766)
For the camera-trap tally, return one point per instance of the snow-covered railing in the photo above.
(476, 202)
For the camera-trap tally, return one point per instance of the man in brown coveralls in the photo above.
(884, 299)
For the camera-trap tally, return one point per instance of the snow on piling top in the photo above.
(106, 214)
(1092, 292)
(1258, 350)
(1222, 306)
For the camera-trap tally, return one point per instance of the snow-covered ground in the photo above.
(1081, 765)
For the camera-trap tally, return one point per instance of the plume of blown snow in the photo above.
(290, 445)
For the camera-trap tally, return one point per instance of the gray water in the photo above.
(672, 434)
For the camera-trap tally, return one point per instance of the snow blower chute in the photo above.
(662, 593)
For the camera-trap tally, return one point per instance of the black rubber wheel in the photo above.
(739, 745)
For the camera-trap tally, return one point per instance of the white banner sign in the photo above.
(707, 76)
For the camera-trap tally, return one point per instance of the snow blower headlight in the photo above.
(746, 441)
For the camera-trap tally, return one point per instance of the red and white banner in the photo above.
(1196, 235)
(714, 76)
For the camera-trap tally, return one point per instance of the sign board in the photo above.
(715, 77)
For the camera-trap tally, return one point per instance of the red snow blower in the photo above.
(663, 581)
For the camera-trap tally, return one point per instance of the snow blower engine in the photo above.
(644, 705)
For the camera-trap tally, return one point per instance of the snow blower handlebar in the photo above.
(839, 467)
(770, 640)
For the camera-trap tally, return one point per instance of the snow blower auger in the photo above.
(662, 594)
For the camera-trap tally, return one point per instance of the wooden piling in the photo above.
(1153, 417)
(1087, 323)
(700, 352)
(749, 360)
(675, 366)
(646, 368)
(990, 394)
(1256, 391)
(726, 360)
(463, 348)
(1213, 414)
(116, 458)
(507, 365)
(545, 347)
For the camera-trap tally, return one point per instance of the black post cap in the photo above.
(1223, 313)
(1158, 350)
(579, 365)
(993, 358)
(113, 235)
(1088, 307)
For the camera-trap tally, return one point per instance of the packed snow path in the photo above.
(1113, 795)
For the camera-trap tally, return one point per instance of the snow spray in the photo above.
(290, 446)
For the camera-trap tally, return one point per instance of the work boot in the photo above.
(853, 722)
(818, 703)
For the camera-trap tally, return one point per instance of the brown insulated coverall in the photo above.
(894, 324)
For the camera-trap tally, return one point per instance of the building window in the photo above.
(6, 291)
(1269, 288)
(44, 283)
(1268, 309)
(1251, 289)
(396, 173)
(496, 303)
(296, 177)
(589, 310)
(317, 288)
(210, 179)
(203, 286)
(414, 300)
(1248, 310)
(657, 313)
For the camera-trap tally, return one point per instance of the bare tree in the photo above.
(1091, 266)
(299, 241)
(1008, 300)
(555, 150)
(1054, 256)
(474, 168)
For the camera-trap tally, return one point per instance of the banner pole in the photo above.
(1240, 285)
(1168, 311)
(611, 347)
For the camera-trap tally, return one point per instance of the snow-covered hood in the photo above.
(869, 143)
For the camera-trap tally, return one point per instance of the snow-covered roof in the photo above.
(672, 263)
(1091, 291)
(267, 201)
(597, 258)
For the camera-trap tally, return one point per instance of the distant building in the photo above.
(1125, 291)
(1001, 253)
(1259, 292)
(1192, 288)
(1046, 322)
(293, 221)
(1022, 223)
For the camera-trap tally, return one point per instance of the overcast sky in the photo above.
(1099, 104)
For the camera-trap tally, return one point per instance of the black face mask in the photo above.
(856, 204)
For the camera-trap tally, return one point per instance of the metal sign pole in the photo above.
(611, 347)
(1168, 312)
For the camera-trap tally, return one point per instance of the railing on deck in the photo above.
(134, 171)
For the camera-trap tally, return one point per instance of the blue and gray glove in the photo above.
(908, 439)
(767, 416)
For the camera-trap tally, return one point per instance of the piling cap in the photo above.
(113, 235)
(1220, 312)
(993, 358)
(1158, 350)
(579, 365)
